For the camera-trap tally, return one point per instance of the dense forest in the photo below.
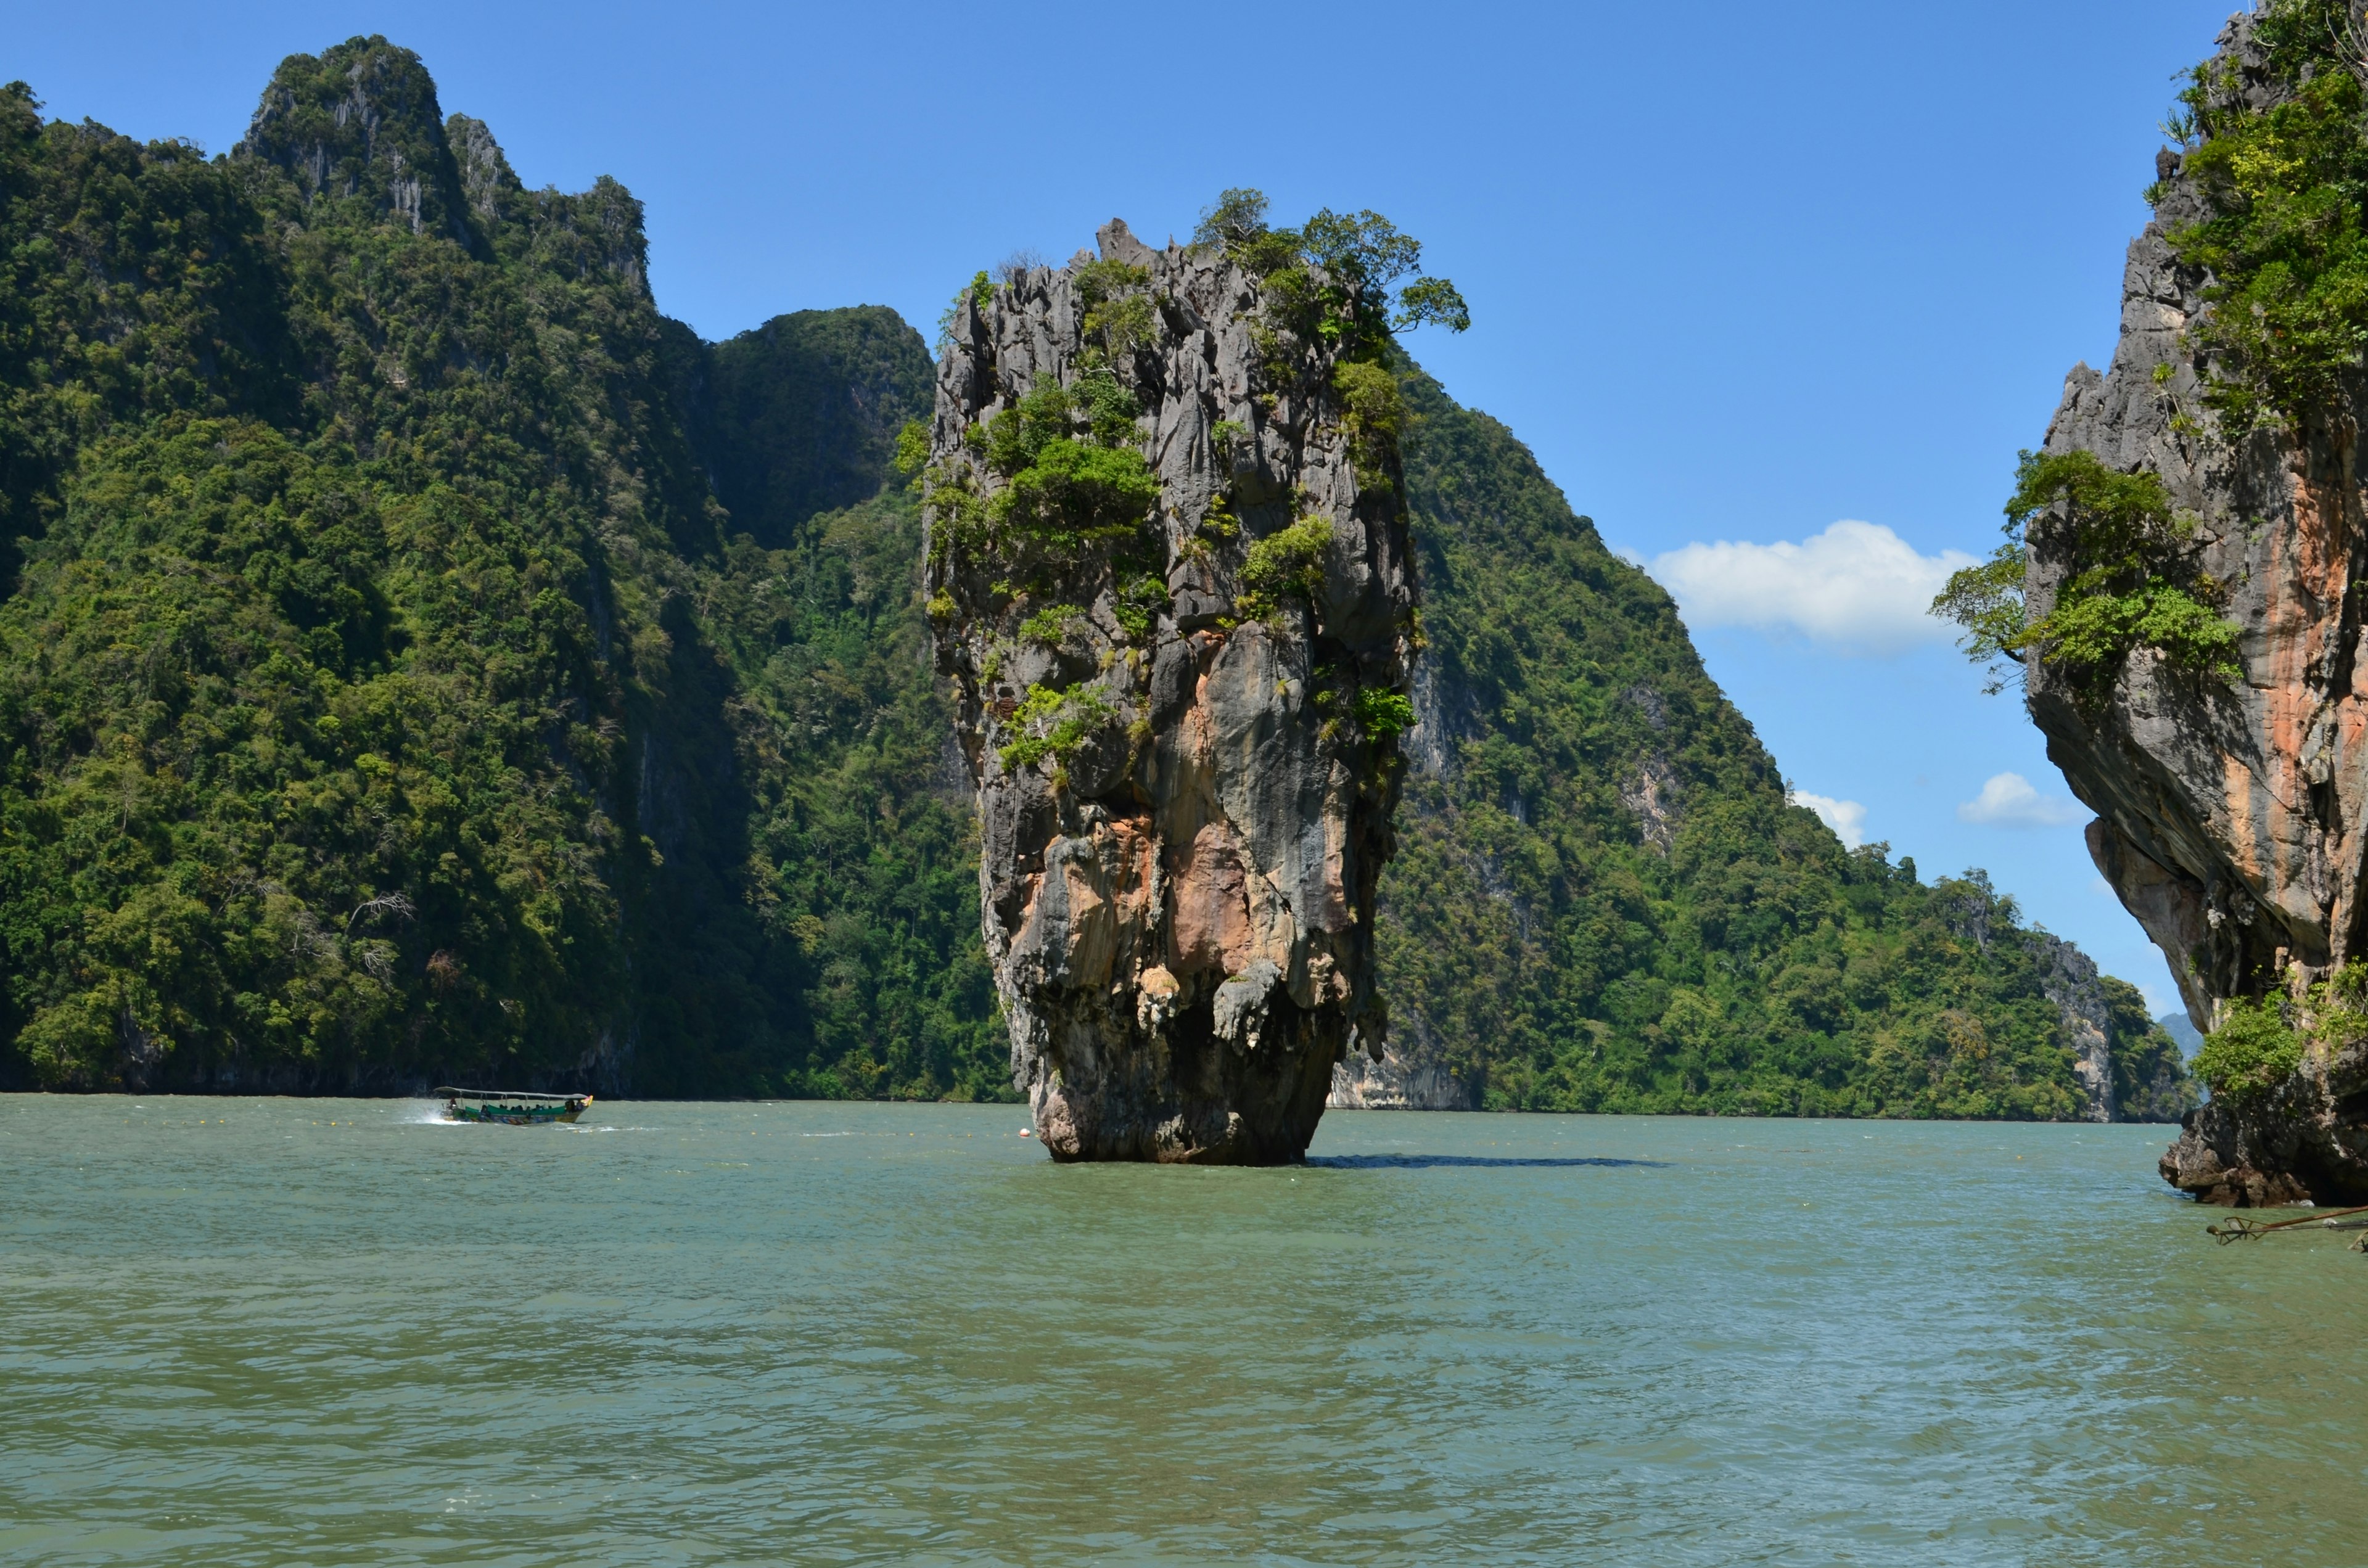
(423, 659)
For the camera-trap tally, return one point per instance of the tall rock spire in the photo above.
(1172, 584)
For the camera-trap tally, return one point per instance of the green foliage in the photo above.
(1431, 300)
(1050, 626)
(1236, 223)
(1383, 714)
(2151, 1079)
(1015, 436)
(1063, 493)
(1110, 409)
(1987, 600)
(1119, 317)
(979, 293)
(800, 416)
(2254, 1050)
(1359, 257)
(1235, 218)
(1374, 417)
(1289, 561)
(2261, 1042)
(349, 166)
(2091, 632)
(1054, 723)
(913, 447)
(863, 862)
(135, 279)
(1364, 248)
(2134, 584)
(2283, 237)
(232, 729)
(1074, 493)
(1139, 603)
(1099, 282)
(1541, 945)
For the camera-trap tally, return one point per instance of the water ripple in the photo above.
(267, 1331)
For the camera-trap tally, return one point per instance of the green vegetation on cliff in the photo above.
(2137, 583)
(2262, 1041)
(2276, 142)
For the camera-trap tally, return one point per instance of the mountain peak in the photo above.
(360, 124)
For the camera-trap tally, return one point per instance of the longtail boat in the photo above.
(512, 1108)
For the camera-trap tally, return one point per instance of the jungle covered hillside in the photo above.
(1604, 900)
(422, 660)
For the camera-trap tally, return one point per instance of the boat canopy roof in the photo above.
(449, 1093)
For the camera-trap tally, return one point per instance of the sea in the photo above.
(342, 1332)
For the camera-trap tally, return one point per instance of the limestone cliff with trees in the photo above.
(2179, 591)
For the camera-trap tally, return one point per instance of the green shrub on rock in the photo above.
(2135, 583)
(1289, 562)
(2254, 1050)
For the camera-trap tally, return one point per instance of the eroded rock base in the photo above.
(1185, 1096)
(2307, 1143)
(1396, 1083)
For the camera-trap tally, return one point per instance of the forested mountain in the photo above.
(390, 691)
(1604, 901)
(423, 659)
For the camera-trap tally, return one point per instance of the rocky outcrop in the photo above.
(1410, 1074)
(1177, 609)
(2230, 818)
(2128, 1069)
(2071, 982)
(360, 124)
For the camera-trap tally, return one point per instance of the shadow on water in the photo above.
(1465, 1162)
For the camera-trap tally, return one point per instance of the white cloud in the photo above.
(2009, 800)
(1856, 585)
(1847, 818)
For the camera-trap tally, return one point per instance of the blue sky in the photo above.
(1739, 272)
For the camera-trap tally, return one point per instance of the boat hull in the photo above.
(514, 1115)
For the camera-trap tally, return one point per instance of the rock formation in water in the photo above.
(1171, 581)
(2230, 814)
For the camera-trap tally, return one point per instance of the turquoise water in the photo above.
(328, 1332)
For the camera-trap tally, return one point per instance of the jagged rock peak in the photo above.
(360, 122)
(487, 182)
(2232, 817)
(1171, 583)
(358, 132)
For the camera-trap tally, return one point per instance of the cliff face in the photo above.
(2229, 817)
(1177, 678)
